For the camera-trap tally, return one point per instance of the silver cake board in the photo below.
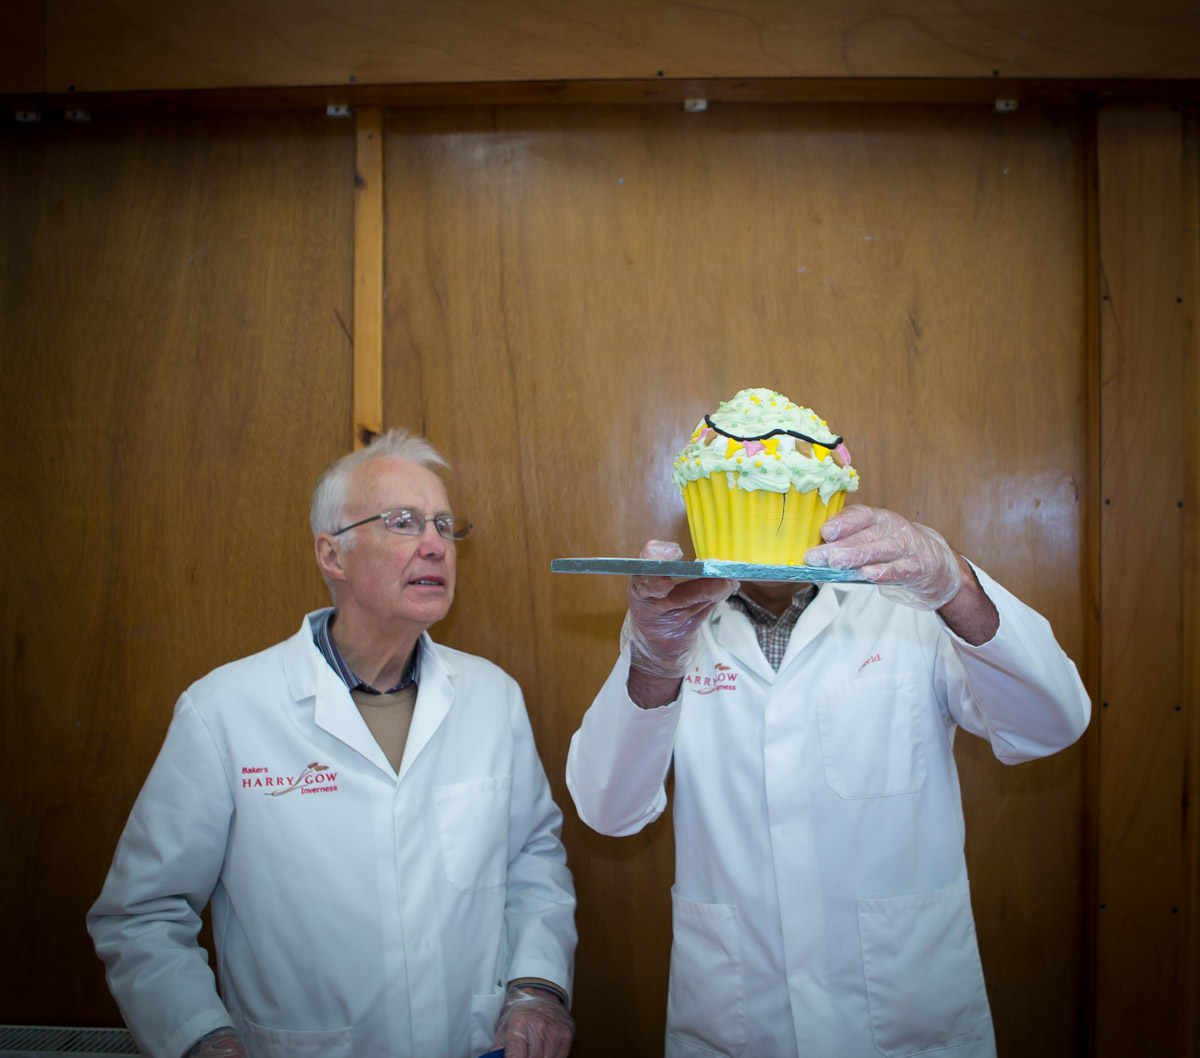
(705, 567)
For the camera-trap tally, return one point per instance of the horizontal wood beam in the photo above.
(109, 45)
(985, 91)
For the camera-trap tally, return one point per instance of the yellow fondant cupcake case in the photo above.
(759, 477)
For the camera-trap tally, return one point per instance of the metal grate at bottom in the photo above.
(40, 1041)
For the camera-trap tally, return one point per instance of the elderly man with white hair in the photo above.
(366, 812)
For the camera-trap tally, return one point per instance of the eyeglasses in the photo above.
(407, 522)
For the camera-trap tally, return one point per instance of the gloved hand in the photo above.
(662, 626)
(533, 1024)
(220, 1043)
(911, 563)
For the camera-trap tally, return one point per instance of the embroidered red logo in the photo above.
(315, 778)
(723, 678)
(873, 657)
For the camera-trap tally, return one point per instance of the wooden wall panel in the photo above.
(112, 45)
(22, 46)
(567, 292)
(1190, 214)
(175, 374)
(1147, 823)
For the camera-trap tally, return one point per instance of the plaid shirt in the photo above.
(774, 632)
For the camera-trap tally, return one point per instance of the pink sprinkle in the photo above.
(844, 453)
(754, 447)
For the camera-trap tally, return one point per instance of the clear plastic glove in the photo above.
(911, 563)
(533, 1024)
(662, 627)
(220, 1043)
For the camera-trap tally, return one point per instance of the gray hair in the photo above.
(325, 513)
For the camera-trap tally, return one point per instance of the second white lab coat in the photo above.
(356, 911)
(821, 906)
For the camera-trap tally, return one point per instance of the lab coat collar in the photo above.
(734, 631)
(309, 675)
(816, 618)
(435, 693)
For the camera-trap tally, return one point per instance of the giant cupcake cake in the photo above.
(759, 478)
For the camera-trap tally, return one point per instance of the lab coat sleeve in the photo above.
(145, 922)
(539, 912)
(1019, 690)
(619, 758)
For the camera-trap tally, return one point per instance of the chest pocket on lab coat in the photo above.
(871, 740)
(286, 1043)
(472, 821)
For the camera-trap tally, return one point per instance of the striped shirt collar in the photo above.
(329, 651)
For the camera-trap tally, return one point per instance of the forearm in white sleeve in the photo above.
(539, 907)
(146, 920)
(1019, 690)
(618, 760)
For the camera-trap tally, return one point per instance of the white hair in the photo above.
(325, 513)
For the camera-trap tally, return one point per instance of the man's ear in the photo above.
(329, 556)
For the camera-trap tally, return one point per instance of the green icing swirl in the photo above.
(752, 413)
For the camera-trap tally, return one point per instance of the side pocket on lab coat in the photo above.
(706, 1011)
(924, 978)
(485, 1009)
(472, 820)
(871, 739)
(287, 1043)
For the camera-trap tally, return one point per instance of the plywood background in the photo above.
(1147, 791)
(566, 290)
(567, 293)
(174, 376)
(113, 45)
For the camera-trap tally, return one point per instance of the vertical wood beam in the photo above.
(368, 275)
(1189, 978)
(1092, 518)
(1147, 828)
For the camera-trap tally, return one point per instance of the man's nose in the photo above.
(430, 542)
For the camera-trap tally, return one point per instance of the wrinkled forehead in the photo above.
(385, 482)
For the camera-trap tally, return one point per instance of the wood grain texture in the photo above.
(1189, 977)
(113, 45)
(1145, 837)
(568, 291)
(1092, 588)
(175, 375)
(22, 46)
(368, 275)
(1024, 91)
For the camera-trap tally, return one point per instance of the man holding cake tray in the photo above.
(368, 814)
(821, 905)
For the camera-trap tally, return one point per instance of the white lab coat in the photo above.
(358, 912)
(820, 905)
